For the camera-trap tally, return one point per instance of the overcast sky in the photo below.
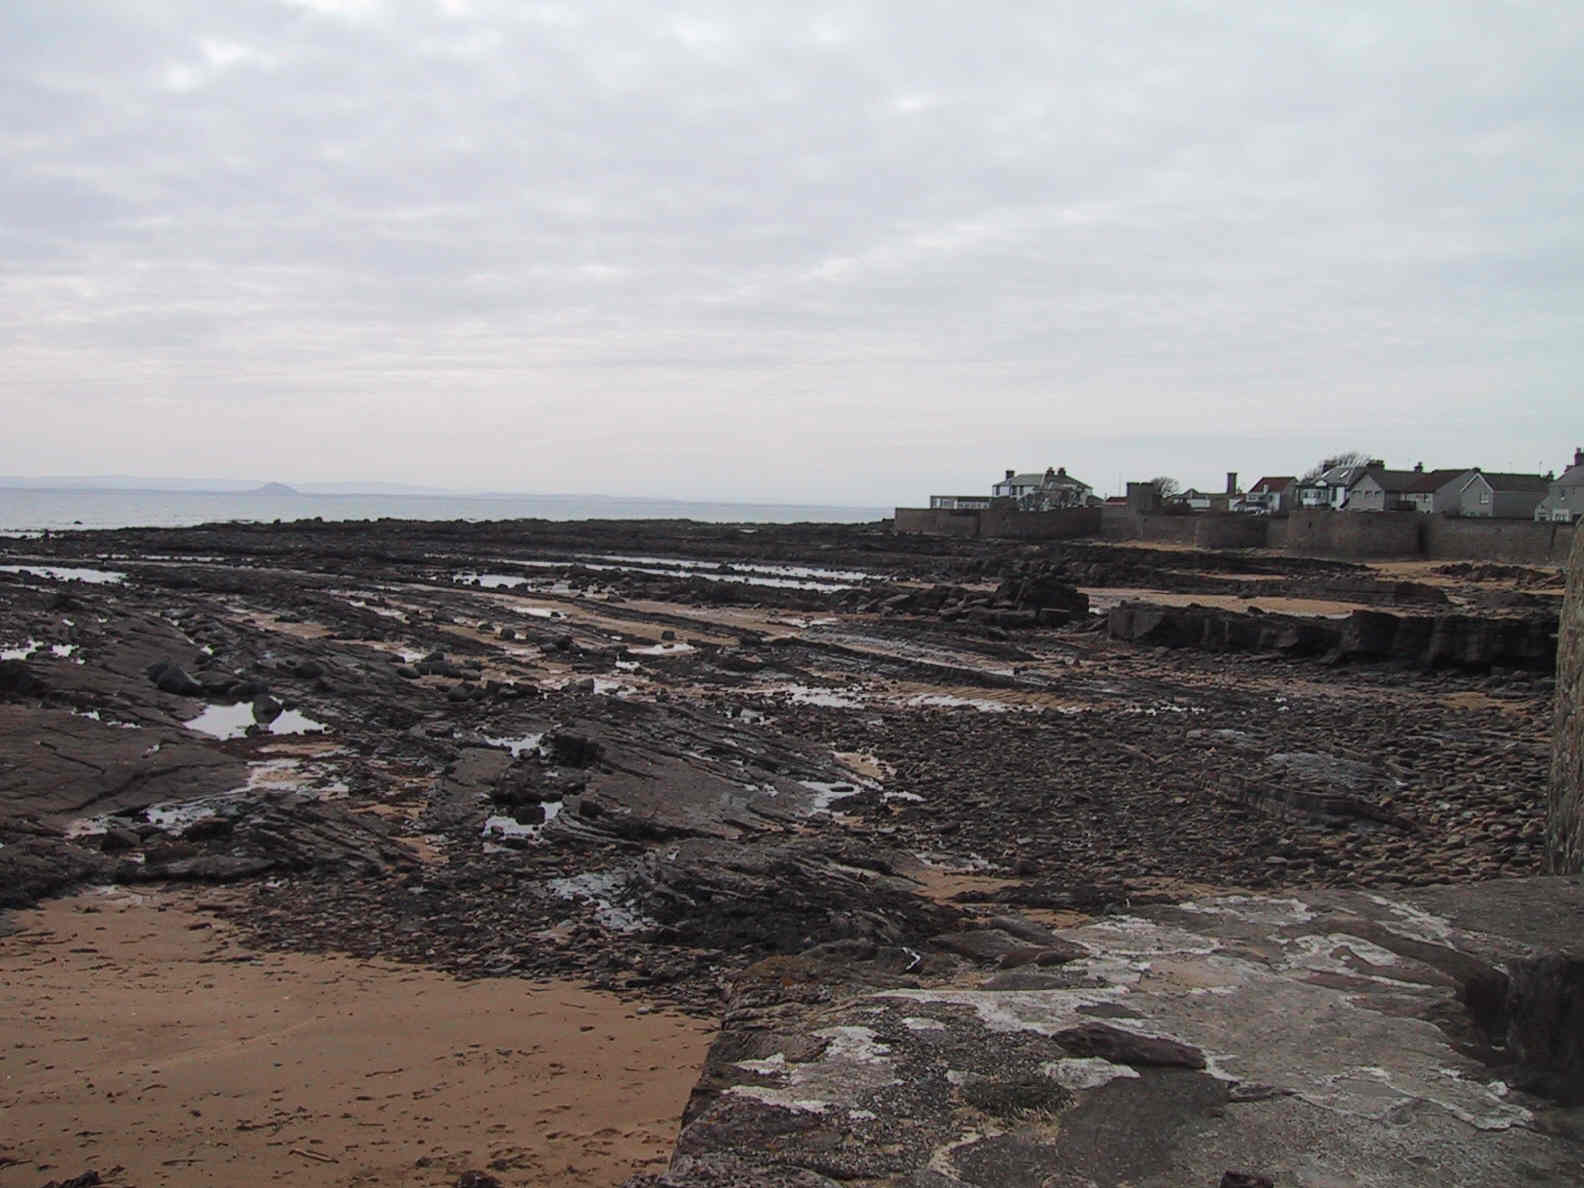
(847, 254)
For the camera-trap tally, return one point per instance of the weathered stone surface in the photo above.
(820, 796)
(1445, 641)
(1311, 1037)
(1565, 826)
(1545, 1024)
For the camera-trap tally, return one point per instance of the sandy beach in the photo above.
(142, 1036)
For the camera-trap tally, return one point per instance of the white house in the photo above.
(1564, 500)
(1043, 492)
(1330, 487)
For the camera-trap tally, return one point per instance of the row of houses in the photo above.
(1364, 487)
(1458, 491)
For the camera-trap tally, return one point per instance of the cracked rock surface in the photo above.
(982, 889)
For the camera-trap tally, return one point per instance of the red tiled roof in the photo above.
(1274, 482)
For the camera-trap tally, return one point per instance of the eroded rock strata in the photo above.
(997, 863)
(1566, 837)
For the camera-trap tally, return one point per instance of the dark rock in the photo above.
(1044, 588)
(17, 678)
(1457, 641)
(210, 868)
(1234, 1179)
(572, 750)
(1545, 1024)
(1125, 1047)
(477, 1179)
(88, 1179)
(208, 828)
(169, 677)
(36, 867)
(265, 709)
(217, 683)
(119, 840)
(998, 946)
(1014, 1097)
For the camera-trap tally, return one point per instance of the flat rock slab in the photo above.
(56, 765)
(1317, 1039)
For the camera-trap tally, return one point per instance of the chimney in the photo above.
(1010, 473)
(1578, 457)
(1231, 482)
(1061, 472)
(1418, 467)
(1379, 463)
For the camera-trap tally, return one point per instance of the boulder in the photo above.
(17, 678)
(170, 677)
(1126, 1047)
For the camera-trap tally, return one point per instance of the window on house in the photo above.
(1484, 496)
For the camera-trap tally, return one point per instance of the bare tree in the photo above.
(1165, 485)
(1346, 458)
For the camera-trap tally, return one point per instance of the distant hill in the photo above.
(274, 489)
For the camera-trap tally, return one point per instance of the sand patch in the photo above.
(1103, 598)
(142, 1035)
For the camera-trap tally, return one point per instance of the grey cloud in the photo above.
(1247, 219)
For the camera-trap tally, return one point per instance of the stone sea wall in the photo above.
(1565, 829)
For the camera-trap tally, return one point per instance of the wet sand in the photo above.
(141, 1035)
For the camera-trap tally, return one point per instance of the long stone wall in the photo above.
(936, 521)
(1451, 538)
(999, 523)
(1319, 533)
(1565, 823)
(1350, 534)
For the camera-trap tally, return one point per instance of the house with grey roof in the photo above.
(1436, 491)
(1420, 490)
(1043, 492)
(1564, 499)
(1379, 489)
(1330, 487)
(1491, 494)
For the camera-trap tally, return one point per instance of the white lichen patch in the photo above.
(1254, 909)
(1043, 1012)
(923, 1023)
(779, 1097)
(853, 1043)
(770, 1064)
(1414, 922)
(854, 1062)
(1086, 1072)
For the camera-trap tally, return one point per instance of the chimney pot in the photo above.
(1231, 482)
(1010, 473)
(1418, 467)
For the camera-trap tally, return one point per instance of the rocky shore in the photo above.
(972, 849)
